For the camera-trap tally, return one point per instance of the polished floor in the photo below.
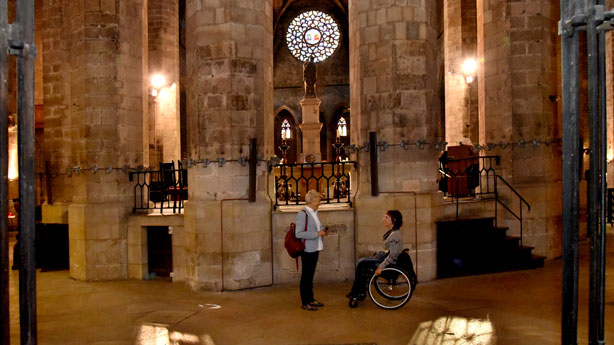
(524, 307)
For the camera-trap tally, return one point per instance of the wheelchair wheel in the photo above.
(392, 289)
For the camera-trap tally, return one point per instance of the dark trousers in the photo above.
(364, 271)
(309, 260)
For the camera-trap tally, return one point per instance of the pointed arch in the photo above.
(285, 119)
(342, 112)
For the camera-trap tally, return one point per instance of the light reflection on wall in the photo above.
(13, 158)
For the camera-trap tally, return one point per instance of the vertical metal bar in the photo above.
(571, 174)
(520, 202)
(25, 109)
(373, 161)
(253, 160)
(603, 187)
(4, 186)
(594, 170)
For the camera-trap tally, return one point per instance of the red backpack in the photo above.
(295, 246)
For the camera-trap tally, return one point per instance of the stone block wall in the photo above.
(336, 262)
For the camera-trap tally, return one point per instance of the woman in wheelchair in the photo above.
(369, 270)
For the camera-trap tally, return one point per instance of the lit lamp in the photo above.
(469, 67)
(157, 82)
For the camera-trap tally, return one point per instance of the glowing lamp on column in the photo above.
(157, 82)
(468, 68)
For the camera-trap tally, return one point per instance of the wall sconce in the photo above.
(157, 82)
(468, 68)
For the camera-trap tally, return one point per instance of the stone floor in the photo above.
(523, 306)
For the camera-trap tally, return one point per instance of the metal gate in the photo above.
(18, 39)
(589, 16)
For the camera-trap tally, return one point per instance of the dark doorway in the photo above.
(159, 252)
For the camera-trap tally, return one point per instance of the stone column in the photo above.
(229, 63)
(94, 93)
(163, 35)
(394, 92)
(56, 99)
(460, 37)
(311, 127)
(518, 93)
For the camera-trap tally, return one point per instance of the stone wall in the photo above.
(518, 76)
(336, 262)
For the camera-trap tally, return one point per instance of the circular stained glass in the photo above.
(313, 33)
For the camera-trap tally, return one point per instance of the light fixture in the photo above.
(157, 82)
(468, 68)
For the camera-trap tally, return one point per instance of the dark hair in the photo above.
(397, 218)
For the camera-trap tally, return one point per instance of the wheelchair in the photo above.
(394, 287)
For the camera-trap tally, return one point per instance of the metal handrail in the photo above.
(522, 200)
(457, 173)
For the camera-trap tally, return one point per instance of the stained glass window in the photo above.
(285, 130)
(313, 33)
(342, 129)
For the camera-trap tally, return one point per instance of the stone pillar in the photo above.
(56, 98)
(460, 37)
(518, 92)
(163, 36)
(393, 61)
(229, 64)
(311, 127)
(94, 97)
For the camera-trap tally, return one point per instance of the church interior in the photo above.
(175, 140)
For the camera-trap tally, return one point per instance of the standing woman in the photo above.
(393, 241)
(309, 228)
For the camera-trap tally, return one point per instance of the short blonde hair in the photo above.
(311, 195)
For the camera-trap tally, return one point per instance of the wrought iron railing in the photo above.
(160, 190)
(476, 177)
(331, 179)
(468, 177)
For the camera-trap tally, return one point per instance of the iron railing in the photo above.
(476, 177)
(160, 190)
(331, 179)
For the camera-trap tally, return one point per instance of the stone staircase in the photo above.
(469, 246)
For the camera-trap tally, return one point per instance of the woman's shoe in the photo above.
(353, 302)
(309, 307)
